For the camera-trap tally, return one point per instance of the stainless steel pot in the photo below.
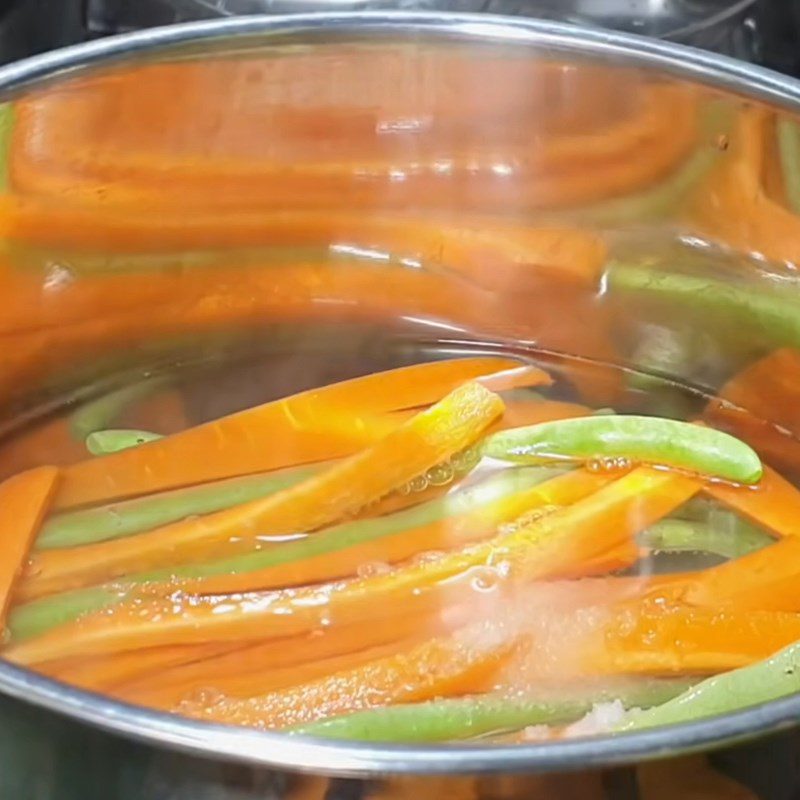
(41, 707)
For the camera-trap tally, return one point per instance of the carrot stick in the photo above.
(773, 502)
(761, 404)
(424, 441)
(241, 669)
(24, 502)
(765, 580)
(439, 667)
(545, 548)
(299, 428)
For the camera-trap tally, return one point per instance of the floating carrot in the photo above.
(427, 439)
(455, 665)
(24, 502)
(547, 547)
(299, 428)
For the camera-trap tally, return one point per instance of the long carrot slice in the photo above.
(439, 667)
(773, 502)
(24, 502)
(427, 439)
(765, 580)
(298, 428)
(547, 547)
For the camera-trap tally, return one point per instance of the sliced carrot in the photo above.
(427, 439)
(773, 502)
(765, 580)
(242, 669)
(651, 637)
(24, 502)
(548, 547)
(440, 667)
(299, 428)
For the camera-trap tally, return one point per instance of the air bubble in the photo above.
(440, 475)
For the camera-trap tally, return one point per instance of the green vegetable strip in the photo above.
(772, 316)
(6, 129)
(649, 439)
(101, 443)
(103, 412)
(684, 536)
(732, 691)
(789, 149)
(467, 717)
(40, 615)
(117, 520)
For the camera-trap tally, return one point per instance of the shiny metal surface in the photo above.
(638, 59)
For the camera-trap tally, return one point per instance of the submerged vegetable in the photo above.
(649, 439)
(101, 443)
(467, 717)
(750, 686)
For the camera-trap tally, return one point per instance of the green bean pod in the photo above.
(468, 717)
(685, 536)
(759, 683)
(117, 520)
(651, 440)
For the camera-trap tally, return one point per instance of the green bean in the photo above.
(649, 439)
(104, 411)
(6, 127)
(789, 149)
(117, 520)
(40, 615)
(468, 717)
(769, 317)
(740, 688)
(684, 536)
(102, 443)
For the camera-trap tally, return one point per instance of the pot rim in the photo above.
(365, 759)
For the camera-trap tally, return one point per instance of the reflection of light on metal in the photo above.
(433, 323)
(397, 175)
(502, 169)
(411, 262)
(342, 248)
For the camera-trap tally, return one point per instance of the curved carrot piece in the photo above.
(440, 667)
(303, 427)
(427, 439)
(547, 547)
(24, 502)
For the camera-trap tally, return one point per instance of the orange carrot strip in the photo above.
(765, 580)
(773, 502)
(545, 548)
(232, 445)
(661, 638)
(440, 667)
(24, 502)
(427, 439)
